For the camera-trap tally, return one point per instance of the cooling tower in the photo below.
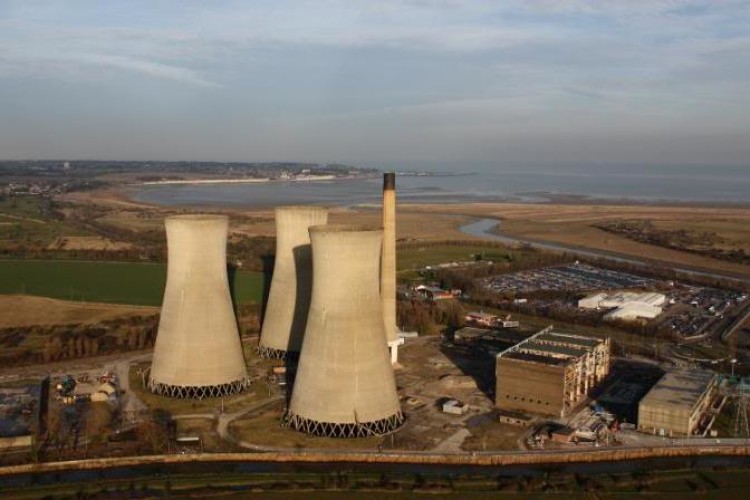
(198, 352)
(289, 298)
(345, 385)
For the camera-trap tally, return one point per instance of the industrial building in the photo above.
(481, 318)
(197, 353)
(626, 305)
(289, 298)
(345, 385)
(678, 402)
(550, 373)
(435, 293)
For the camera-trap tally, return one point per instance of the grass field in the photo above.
(22, 220)
(112, 282)
(266, 430)
(417, 258)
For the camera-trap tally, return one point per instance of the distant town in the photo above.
(50, 178)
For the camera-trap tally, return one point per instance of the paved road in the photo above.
(129, 401)
(736, 324)
(452, 444)
(222, 424)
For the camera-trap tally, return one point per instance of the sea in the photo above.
(465, 182)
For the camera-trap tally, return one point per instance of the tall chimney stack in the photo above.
(388, 264)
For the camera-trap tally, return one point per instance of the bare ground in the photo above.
(573, 225)
(569, 223)
(25, 310)
(87, 243)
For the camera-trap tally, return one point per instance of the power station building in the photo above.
(550, 373)
(345, 385)
(289, 298)
(678, 402)
(198, 352)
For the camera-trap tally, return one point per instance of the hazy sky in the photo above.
(634, 81)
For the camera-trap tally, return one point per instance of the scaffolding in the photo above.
(741, 425)
(585, 361)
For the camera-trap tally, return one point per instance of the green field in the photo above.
(114, 282)
(23, 220)
(417, 258)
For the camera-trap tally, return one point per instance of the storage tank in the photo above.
(289, 297)
(198, 353)
(345, 385)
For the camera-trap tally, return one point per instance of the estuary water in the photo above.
(478, 182)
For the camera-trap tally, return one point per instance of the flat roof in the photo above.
(470, 331)
(680, 388)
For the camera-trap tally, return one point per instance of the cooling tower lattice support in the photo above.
(358, 430)
(271, 353)
(198, 353)
(289, 297)
(345, 386)
(197, 392)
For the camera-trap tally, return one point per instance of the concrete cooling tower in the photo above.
(198, 352)
(289, 297)
(345, 386)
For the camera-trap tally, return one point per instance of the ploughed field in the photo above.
(132, 283)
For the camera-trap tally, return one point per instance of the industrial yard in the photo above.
(470, 348)
(445, 385)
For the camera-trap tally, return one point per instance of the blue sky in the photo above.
(631, 81)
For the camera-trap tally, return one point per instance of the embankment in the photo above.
(477, 459)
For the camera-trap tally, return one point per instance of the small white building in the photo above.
(455, 407)
(592, 301)
(626, 305)
(481, 318)
(634, 311)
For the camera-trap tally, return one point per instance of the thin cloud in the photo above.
(142, 66)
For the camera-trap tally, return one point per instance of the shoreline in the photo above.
(253, 180)
(126, 193)
(568, 222)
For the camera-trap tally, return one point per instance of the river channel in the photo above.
(489, 229)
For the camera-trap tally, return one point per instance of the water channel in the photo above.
(489, 229)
